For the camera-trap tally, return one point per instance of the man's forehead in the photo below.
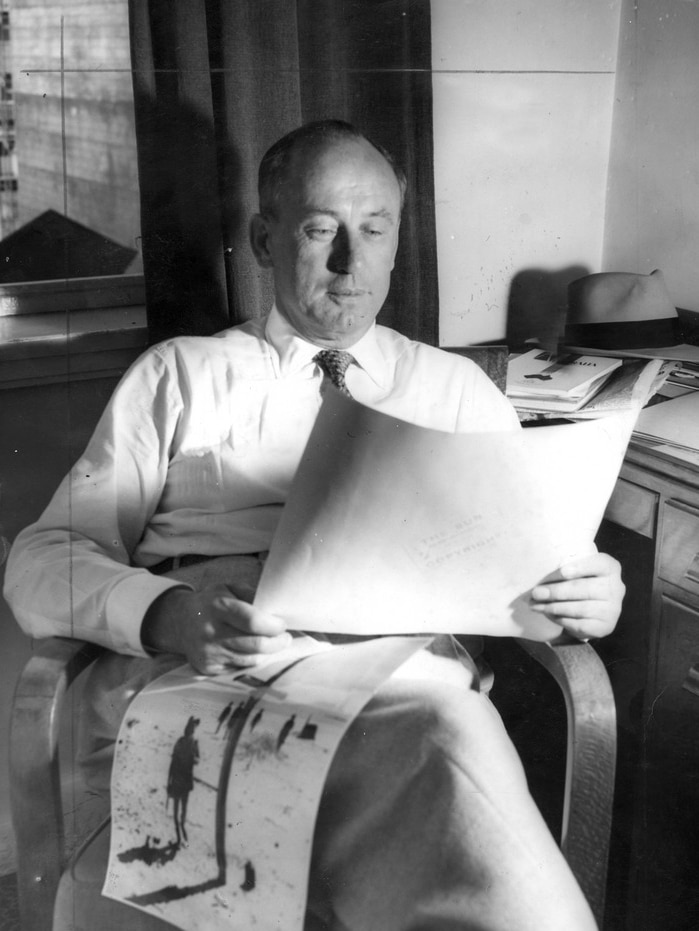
(344, 168)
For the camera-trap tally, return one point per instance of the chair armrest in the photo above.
(590, 763)
(691, 683)
(35, 789)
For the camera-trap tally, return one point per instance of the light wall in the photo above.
(653, 203)
(523, 93)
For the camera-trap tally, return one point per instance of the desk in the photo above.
(652, 526)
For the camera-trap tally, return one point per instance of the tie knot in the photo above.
(335, 362)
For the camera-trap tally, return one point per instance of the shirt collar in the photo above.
(295, 352)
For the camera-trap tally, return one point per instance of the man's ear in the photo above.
(395, 246)
(259, 240)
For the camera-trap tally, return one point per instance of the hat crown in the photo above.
(619, 297)
(621, 310)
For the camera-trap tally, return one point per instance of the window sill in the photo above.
(62, 343)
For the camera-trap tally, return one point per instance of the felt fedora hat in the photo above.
(621, 310)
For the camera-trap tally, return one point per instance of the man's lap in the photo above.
(424, 807)
(424, 804)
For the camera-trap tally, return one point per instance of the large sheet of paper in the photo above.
(217, 781)
(393, 528)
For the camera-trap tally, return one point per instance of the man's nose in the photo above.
(345, 257)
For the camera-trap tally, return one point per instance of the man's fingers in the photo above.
(591, 578)
(582, 619)
(221, 632)
(207, 662)
(260, 645)
(591, 564)
(572, 609)
(217, 657)
(589, 589)
(244, 619)
(244, 634)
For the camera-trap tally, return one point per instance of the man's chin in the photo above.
(342, 325)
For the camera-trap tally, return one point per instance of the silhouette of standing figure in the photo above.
(284, 732)
(180, 778)
(240, 711)
(256, 720)
(223, 716)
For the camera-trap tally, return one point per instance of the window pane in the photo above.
(69, 204)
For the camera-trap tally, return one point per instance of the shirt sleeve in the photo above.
(70, 573)
(483, 408)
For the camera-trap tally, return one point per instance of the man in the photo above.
(180, 777)
(426, 821)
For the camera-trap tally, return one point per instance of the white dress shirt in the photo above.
(195, 454)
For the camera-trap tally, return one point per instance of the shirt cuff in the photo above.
(127, 605)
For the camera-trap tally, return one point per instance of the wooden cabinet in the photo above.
(653, 527)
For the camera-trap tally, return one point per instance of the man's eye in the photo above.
(322, 233)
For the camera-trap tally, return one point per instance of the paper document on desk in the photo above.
(674, 422)
(394, 528)
(683, 352)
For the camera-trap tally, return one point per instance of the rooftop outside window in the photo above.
(69, 202)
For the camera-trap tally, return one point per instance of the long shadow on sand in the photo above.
(172, 893)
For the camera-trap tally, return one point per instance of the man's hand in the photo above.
(584, 596)
(212, 628)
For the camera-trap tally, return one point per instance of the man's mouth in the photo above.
(347, 292)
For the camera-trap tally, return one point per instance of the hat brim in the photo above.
(630, 334)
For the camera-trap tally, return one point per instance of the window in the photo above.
(67, 142)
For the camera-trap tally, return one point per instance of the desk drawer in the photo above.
(633, 507)
(679, 546)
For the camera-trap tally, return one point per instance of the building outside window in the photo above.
(69, 203)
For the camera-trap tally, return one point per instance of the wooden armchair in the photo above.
(35, 778)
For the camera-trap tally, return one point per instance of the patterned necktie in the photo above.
(334, 363)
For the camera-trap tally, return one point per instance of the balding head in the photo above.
(276, 163)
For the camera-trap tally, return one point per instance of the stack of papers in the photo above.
(542, 381)
(628, 385)
(673, 423)
(628, 388)
(683, 380)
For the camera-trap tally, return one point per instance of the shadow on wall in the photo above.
(537, 304)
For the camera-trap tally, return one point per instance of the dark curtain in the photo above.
(216, 82)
